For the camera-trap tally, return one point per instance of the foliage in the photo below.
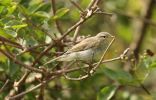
(34, 31)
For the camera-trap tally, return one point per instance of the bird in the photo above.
(87, 50)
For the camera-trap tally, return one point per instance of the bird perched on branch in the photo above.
(88, 49)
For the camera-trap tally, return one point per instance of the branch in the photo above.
(76, 33)
(42, 54)
(77, 6)
(22, 80)
(5, 84)
(19, 62)
(32, 89)
(56, 21)
(93, 3)
(78, 28)
(143, 30)
(33, 47)
(29, 21)
(65, 71)
(14, 44)
(81, 21)
(61, 72)
(98, 64)
(89, 14)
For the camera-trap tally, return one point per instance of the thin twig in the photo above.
(121, 57)
(105, 13)
(22, 80)
(20, 63)
(56, 21)
(61, 72)
(77, 6)
(29, 21)
(72, 28)
(17, 45)
(40, 96)
(5, 84)
(76, 79)
(33, 47)
(143, 29)
(78, 28)
(91, 4)
(42, 54)
(92, 71)
(89, 14)
(76, 33)
(32, 89)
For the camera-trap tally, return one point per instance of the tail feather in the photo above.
(60, 58)
(52, 60)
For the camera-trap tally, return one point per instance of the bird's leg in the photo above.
(89, 63)
(78, 64)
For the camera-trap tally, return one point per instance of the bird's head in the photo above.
(103, 35)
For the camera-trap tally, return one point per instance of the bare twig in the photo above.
(76, 33)
(56, 21)
(72, 28)
(89, 14)
(33, 47)
(42, 54)
(19, 62)
(121, 57)
(94, 68)
(29, 21)
(32, 89)
(14, 44)
(77, 6)
(22, 80)
(91, 4)
(40, 96)
(61, 72)
(77, 79)
(105, 13)
(143, 30)
(78, 28)
(5, 84)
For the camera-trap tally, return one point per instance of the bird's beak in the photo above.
(112, 36)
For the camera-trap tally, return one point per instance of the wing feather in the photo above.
(84, 45)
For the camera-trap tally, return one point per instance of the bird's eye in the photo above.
(104, 36)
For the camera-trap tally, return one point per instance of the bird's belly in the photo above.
(86, 55)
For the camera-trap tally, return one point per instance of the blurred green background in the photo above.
(26, 21)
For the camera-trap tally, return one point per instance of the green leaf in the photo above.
(1, 8)
(23, 10)
(153, 65)
(60, 13)
(14, 24)
(39, 7)
(41, 14)
(4, 34)
(107, 92)
(19, 26)
(11, 32)
(1, 70)
(12, 8)
(5, 2)
(13, 69)
(142, 69)
(119, 75)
